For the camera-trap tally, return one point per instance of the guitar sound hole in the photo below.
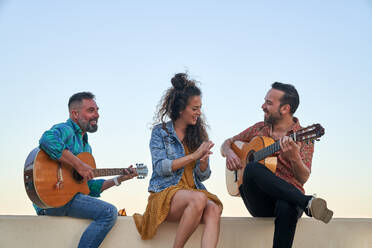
(250, 157)
(77, 176)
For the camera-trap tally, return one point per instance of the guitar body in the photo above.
(261, 149)
(245, 151)
(51, 184)
(41, 174)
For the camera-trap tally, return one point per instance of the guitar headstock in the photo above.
(141, 170)
(309, 134)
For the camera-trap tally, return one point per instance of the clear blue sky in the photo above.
(126, 54)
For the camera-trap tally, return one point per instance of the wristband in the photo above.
(116, 181)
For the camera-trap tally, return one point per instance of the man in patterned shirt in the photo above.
(279, 195)
(62, 143)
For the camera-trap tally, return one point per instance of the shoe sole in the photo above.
(320, 211)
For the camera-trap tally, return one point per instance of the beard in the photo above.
(87, 126)
(273, 118)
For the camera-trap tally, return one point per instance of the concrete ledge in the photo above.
(45, 231)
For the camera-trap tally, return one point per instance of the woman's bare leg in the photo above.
(211, 219)
(187, 207)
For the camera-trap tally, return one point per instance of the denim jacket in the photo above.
(166, 147)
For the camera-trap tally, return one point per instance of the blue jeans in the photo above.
(82, 206)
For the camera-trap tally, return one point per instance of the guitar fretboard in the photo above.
(108, 172)
(267, 151)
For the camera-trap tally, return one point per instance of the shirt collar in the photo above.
(77, 129)
(170, 127)
(295, 127)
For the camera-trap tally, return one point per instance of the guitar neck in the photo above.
(109, 172)
(267, 151)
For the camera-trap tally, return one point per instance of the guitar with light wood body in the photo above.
(260, 149)
(51, 184)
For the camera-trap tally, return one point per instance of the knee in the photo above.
(212, 212)
(110, 214)
(198, 201)
(216, 210)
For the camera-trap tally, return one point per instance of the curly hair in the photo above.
(174, 101)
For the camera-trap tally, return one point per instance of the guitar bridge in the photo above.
(59, 184)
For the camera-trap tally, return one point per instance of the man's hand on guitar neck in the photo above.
(82, 168)
(129, 174)
(290, 149)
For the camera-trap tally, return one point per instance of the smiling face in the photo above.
(271, 107)
(86, 115)
(192, 111)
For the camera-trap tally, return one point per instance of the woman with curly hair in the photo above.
(180, 151)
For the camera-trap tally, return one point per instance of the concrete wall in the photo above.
(44, 231)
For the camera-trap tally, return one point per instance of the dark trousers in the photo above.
(266, 195)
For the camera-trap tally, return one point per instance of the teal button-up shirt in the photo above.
(68, 135)
(63, 136)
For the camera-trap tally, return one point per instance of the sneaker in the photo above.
(318, 209)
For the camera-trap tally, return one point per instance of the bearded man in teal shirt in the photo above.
(62, 143)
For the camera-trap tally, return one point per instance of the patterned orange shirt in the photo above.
(284, 168)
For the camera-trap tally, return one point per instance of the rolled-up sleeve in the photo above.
(95, 187)
(52, 143)
(160, 162)
(306, 153)
(202, 175)
(245, 135)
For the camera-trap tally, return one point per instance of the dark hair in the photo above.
(78, 98)
(174, 101)
(290, 95)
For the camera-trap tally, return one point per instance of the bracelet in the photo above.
(116, 181)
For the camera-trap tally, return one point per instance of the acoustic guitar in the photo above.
(51, 184)
(260, 149)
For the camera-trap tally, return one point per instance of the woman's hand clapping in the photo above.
(204, 151)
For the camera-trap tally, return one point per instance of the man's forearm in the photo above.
(69, 158)
(300, 171)
(108, 184)
(226, 147)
